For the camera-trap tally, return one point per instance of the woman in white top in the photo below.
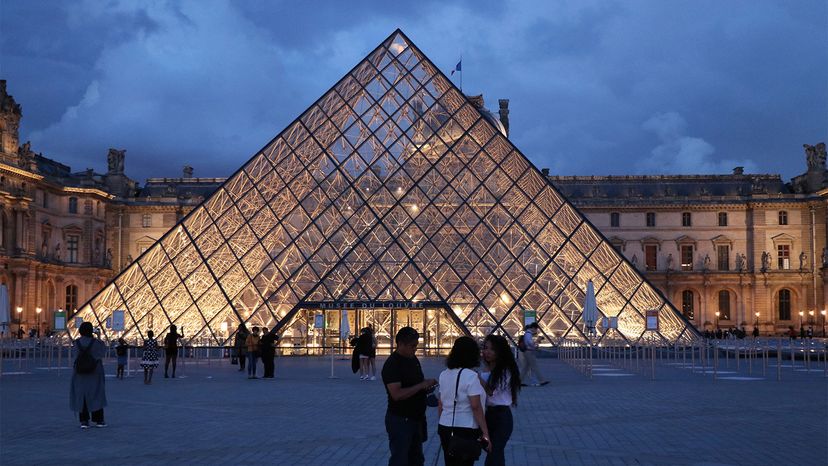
(502, 384)
(461, 411)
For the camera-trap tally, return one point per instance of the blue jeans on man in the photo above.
(251, 364)
(405, 439)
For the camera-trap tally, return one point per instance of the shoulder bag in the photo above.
(460, 447)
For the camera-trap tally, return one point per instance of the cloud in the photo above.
(207, 83)
(680, 154)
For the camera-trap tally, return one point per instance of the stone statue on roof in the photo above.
(815, 155)
(115, 161)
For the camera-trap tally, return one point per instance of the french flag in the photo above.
(458, 67)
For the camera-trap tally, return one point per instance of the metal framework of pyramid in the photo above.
(392, 186)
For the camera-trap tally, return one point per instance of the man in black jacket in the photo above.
(268, 350)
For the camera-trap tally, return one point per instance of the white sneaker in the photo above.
(362, 377)
(373, 378)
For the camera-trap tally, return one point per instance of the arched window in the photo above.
(724, 305)
(784, 304)
(71, 297)
(687, 300)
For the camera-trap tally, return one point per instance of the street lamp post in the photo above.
(823, 322)
(801, 313)
(19, 319)
(717, 313)
(38, 311)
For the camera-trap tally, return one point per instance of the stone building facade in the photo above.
(736, 244)
(751, 248)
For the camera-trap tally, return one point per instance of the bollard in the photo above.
(779, 360)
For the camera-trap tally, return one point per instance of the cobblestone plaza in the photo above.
(214, 415)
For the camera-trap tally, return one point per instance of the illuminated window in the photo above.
(686, 257)
(71, 297)
(724, 305)
(783, 252)
(687, 300)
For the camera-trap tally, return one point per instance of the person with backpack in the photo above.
(149, 361)
(122, 352)
(171, 349)
(528, 359)
(87, 391)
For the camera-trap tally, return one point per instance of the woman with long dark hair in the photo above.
(501, 380)
(462, 402)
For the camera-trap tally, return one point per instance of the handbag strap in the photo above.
(454, 406)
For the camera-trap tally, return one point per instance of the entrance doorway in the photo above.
(317, 327)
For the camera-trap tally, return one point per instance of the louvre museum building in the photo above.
(396, 200)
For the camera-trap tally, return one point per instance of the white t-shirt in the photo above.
(502, 395)
(529, 340)
(469, 386)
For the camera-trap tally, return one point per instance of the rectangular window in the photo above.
(722, 219)
(687, 299)
(72, 242)
(724, 257)
(783, 252)
(686, 257)
(686, 219)
(146, 220)
(724, 305)
(615, 219)
(651, 256)
(651, 219)
(71, 297)
(73, 205)
(783, 217)
(45, 200)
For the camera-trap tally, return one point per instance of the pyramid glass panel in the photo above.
(391, 201)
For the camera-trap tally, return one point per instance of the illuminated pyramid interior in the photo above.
(395, 198)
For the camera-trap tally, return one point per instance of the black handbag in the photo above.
(460, 447)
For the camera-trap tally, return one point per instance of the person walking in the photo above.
(171, 349)
(405, 386)
(149, 360)
(372, 354)
(268, 349)
(252, 343)
(363, 348)
(240, 346)
(528, 358)
(122, 351)
(462, 400)
(87, 392)
(501, 380)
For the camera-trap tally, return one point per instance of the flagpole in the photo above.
(461, 74)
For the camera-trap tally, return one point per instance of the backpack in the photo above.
(521, 343)
(86, 363)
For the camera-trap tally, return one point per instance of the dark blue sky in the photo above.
(596, 87)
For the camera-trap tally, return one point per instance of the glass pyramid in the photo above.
(391, 187)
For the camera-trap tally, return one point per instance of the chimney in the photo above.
(188, 171)
(739, 171)
(504, 114)
(545, 171)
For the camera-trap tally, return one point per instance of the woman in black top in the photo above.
(171, 349)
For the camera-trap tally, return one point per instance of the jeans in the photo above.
(445, 435)
(251, 364)
(500, 422)
(405, 439)
(97, 416)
